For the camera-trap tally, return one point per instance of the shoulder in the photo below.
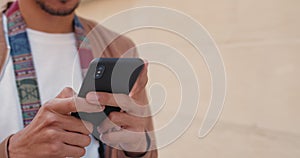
(106, 41)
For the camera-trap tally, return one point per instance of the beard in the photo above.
(57, 12)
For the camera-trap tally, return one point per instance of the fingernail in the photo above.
(101, 107)
(92, 98)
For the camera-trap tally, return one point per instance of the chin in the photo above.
(58, 7)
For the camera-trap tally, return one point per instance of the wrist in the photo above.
(140, 154)
(13, 150)
(9, 147)
(6, 147)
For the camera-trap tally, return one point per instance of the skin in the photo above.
(53, 132)
(38, 19)
(126, 129)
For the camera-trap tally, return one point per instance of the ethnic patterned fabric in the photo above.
(25, 73)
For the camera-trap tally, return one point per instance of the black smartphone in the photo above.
(112, 75)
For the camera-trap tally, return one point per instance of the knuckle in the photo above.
(48, 105)
(55, 148)
(70, 101)
(67, 90)
(51, 119)
(51, 134)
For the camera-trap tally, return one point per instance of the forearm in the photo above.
(4, 148)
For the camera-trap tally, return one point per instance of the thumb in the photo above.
(67, 92)
(141, 82)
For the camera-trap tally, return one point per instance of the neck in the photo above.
(38, 19)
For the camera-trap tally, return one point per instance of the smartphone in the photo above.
(112, 75)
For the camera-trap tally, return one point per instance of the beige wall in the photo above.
(260, 43)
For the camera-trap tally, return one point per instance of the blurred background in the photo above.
(259, 41)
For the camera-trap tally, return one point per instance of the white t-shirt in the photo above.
(57, 66)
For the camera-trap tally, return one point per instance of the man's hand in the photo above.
(125, 130)
(54, 132)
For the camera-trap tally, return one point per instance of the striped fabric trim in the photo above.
(24, 69)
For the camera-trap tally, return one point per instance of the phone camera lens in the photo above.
(100, 68)
(99, 71)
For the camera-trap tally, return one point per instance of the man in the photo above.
(39, 40)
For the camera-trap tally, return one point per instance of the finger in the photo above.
(107, 126)
(118, 120)
(127, 121)
(75, 139)
(108, 99)
(72, 124)
(142, 80)
(67, 105)
(126, 140)
(73, 151)
(83, 106)
(67, 92)
(119, 100)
